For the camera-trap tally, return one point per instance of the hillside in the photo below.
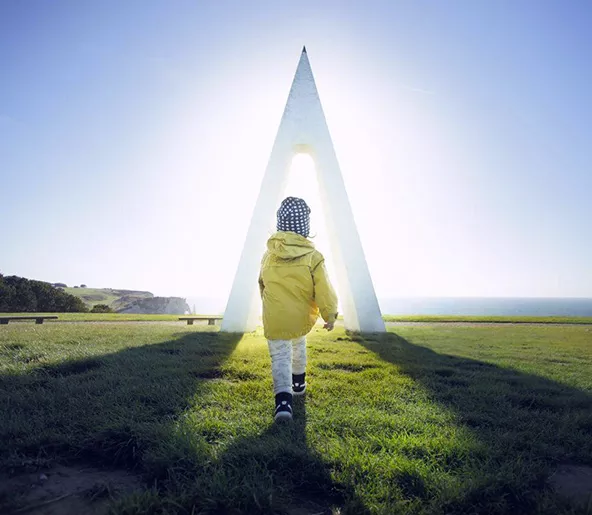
(157, 305)
(115, 299)
(130, 301)
(19, 294)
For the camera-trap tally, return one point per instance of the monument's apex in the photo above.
(303, 128)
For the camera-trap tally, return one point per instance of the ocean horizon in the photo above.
(479, 306)
(487, 306)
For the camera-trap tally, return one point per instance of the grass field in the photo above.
(93, 296)
(100, 317)
(489, 319)
(426, 420)
(120, 317)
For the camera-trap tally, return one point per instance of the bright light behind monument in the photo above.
(303, 183)
(303, 128)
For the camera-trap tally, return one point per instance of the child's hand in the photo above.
(329, 326)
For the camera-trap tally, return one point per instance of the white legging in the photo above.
(287, 357)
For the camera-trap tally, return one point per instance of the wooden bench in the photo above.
(211, 319)
(38, 319)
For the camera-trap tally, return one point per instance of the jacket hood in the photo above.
(289, 245)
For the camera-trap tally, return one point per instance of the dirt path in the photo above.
(65, 490)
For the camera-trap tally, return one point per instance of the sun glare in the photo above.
(303, 183)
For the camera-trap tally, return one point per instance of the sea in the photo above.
(488, 306)
(484, 306)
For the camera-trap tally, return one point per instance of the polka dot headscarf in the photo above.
(294, 216)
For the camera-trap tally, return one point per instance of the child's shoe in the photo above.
(283, 406)
(298, 384)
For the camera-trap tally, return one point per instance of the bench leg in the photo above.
(4, 322)
(39, 320)
(189, 322)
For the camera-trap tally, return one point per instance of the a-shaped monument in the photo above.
(304, 129)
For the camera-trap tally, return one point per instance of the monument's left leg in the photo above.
(241, 313)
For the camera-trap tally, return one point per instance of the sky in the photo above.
(134, 137)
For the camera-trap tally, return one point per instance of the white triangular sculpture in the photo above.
(303, 129)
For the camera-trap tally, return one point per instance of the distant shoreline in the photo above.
(488, 306)
(455, 306)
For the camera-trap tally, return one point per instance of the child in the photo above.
(294, 288)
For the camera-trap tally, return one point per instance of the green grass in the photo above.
(100, 317)
(428, 420)
(489, 319)
(119, 317)
(93, 296)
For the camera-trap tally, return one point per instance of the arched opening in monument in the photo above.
(303, 183)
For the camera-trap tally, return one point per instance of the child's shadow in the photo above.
(275, 472)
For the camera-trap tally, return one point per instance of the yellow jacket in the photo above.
(294, 287)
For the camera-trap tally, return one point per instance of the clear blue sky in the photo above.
(134, 136)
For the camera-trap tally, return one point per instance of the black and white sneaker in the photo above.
(298, 384)
(283, 406)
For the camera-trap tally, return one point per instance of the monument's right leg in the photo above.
(361, 308)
